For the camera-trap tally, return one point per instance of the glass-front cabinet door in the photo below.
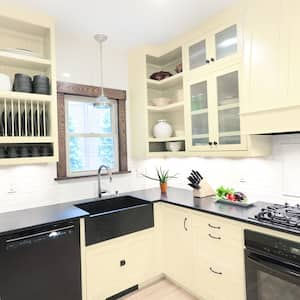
(213, 110)
(198, 54)
(199, 122)
(212, 48)
(227, 89)
(226, 42)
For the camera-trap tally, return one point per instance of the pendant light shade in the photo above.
(102, 99)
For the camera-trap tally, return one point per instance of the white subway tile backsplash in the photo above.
(265, 179)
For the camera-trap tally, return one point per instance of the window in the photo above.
(91, 135)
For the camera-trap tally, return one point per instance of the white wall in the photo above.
(35, 186)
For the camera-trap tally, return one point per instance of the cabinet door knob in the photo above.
(215, 143)
(215, 272)
(207, 61)
(212, 59)
(184, 224)
(122, 263)
(210, 143)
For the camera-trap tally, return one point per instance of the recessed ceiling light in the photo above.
(66, 75)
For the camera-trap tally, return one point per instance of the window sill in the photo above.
(89, 176)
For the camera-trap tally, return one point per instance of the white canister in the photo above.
(5, 84)
(162, 129)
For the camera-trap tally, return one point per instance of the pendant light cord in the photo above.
(101, 68)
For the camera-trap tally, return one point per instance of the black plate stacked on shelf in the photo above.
(22, 83)
(41, 85)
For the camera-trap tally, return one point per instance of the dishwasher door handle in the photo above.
(25, 237)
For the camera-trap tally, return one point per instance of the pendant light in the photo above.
(102, 99)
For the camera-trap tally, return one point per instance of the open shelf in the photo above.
(25, 139)
(24, 61)
(26, 96)
(170, 139)
(165, 83)
(28, 160)
(167, 108)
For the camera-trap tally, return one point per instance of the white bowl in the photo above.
(174, 146)
(5, 84)
(161, 101)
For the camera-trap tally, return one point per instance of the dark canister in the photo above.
(41, 85)
(22, 83)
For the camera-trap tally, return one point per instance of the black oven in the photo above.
(272, 267)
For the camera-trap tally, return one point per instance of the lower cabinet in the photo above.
(219, 259)
(202, 253)
(178, 245)
(120, 263)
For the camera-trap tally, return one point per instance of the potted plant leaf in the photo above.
(163, 177)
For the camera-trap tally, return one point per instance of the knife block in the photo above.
(205, 190)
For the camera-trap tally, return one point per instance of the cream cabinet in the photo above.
(119, 264)
(271, 67)
(28, 121)
(177, 245)
(218, 47)
(202, 102)
(213, 120)
(219, 258)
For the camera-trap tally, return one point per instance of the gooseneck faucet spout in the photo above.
(100, 192)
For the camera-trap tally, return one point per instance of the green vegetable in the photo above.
(222, 192)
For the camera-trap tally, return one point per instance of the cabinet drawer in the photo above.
(214, 281)
(218, 228)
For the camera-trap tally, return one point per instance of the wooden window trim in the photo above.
(66, 88)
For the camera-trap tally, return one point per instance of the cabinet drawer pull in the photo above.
(215, 272)
(214, 237)
(214, 227)
(184, 224)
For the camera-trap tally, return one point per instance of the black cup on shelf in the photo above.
(41, 85)
(22, 83)
(35, 151)
(3, 153)
(12, 152)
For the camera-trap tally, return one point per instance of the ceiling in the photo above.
(128, 23)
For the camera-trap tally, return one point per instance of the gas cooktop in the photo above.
(286, 216)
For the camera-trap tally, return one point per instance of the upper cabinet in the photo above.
(196, 100)
(271, 65)
(219, 46)
(28, 106)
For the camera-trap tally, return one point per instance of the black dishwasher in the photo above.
(41, 264)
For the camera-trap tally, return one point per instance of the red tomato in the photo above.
(230, 197)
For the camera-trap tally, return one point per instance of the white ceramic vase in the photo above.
(5, 84)
(162, 129)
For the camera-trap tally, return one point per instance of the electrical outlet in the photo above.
(12, 189)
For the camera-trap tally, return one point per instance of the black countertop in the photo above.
(25, 219)
(185, 198)
(28, 218)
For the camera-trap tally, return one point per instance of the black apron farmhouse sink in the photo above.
(114, 217)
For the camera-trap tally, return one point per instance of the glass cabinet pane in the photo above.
(228, 88)
(199, 96)
(226, 42)
(228, 108)
(200, 124)
(197, 54)
(229, 120)
(199, 111)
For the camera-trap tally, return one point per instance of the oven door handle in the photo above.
(271, 266)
